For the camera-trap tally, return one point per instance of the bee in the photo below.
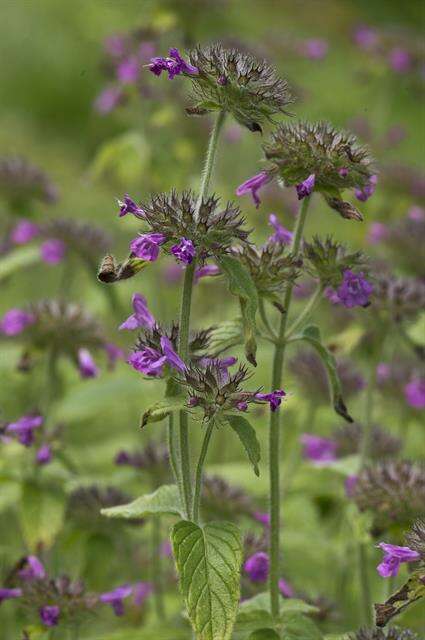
(107, 270)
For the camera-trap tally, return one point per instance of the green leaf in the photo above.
(264, 634)
(41, 513)
(162, 409)
(19, 258)
(225, 335)
(166, 499)
(208, 560)
(248, 437)
(242, 285)
(311, 334)
(298, 627)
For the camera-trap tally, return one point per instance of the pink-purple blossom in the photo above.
(9, 594)
(414, 392)
(114, 353)
(108, 100)
(366, 192)
(366, 37)
(399, 60)
(127, 205)
(343, 172)
(53, 251)
(116, 598)
(305, 188)
(24, 232)
(350, 485)
(416, 213)
(44, 454)
(146, 246)
(281, 235)
(206, 270)
(253, 185)
(49, 615)
(24, 428)
(314, 49)
(86, 365)
(15, 321)
(128, 70)
(394, 556)
(257, 567)
(354, 290)
(184, 251)
(174, 65)
(274, 398)
(222, 366)
(33, 569)
(285, 589)
(378, 231)
(141, 590)
(317, 449)
(151, 362)
(262, 518)
(141, 317)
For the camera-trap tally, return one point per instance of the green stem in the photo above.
(171, 438)
(53, 383)
(264, 318)
(199, 468)
(274, 433)
(184, 320)
(156, 566)
(365, 584)
(307, 311)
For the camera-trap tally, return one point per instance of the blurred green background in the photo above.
(52, 70)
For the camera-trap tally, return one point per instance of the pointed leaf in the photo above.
(242, 285)
(208, 560)
(248, 437)
(166, 499)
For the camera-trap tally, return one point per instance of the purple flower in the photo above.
(184, 251)
(383, 372)
(141, 590)
(129, 206)
(53, 251)
(253, 185)
(24, 232)
(148, 361)
(166, 549)
(15, 321)
(8, 594)
(315, 48)
(171, 356)
(49, 615)
(416, 213)
(33, 569)
(414, 392)
(355, 290)
(285, 589)
(146, 246)
(263, 518)
(274, 398)
(141, 317)
(281, 234)
(24, 429)
(115, 598)
(378, 231)
(206, 270)
(173, 273)
(257, 567)
(174, 65)
(114, 45)
(44, 454)
(221, 364)
(114, 353)
(350, 485)
(399, 60)
(394, 556)
(343, 172)
(368, 190)
(86, 364)
(107, 100)
(242, 405)
(128, 70)
(318, 449)
(306, 187)
(366, 37)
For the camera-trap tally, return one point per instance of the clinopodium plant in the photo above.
(204, 391)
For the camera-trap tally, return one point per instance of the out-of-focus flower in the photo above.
(141, 590)
(49, 615)
(116, 598)
(400, 298)
(274, 398)
(350, 485)
(24, 232)
(24, 428)
(108, 100)
(414, 392)
(317, 449)
(44, 454)
(378, 231)
(33, 569)
(263, 518)
(147, 245)
(281, 234)
(141, 317)
(367, 191)
(206, 270)
(305, 188)
(366, 37)
(349, 439)
(354, 290)
(220, 499)
(9, 594)
(314, 49)
(53, 251)
(399, 60)
(128, 70)
(174, 65)
(184, 251)
(253, 185)
(257, 567)
(15, 321)
(394, 556)
(22, 182)
(416, 213)
(285, 589)
(127, 205)
(114, 353)
(86, 364)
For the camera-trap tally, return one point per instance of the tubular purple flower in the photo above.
(368, 190)
(9, 594)
(242, 405)
(366, 37)
(128, 70)
(285, 589)
(115, 598)
(114, 353)
(174, 65)
(281, 234)
(317, 449)
(148, 361)
(44, 454)
(129, 206)
(141, 590)
(306, 187)
(147, 245)
(33, 569)
(53, 251)
(414, 392)
(86, 364)
(49, 615)
(24, 232)
(416, 213)
(24, 429)
(206, 270)
(257, 567)
(171, 356)
(262, 518)
(253, 185)
(274, 398)
(141, 317)
(15, 321)
(355, 290)
(108, 100)
(399, 60)
(184, 251)
(314, 49)
(394, 556)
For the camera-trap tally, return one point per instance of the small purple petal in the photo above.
(378, 231)
(171, 356)
(128, 71)
(49, 615)
(115, 598)
(33, 569)
(355, 290)
(274, 398)
(15, 321)
(24, 232)
(86, 364)
(141, 590)
(147, 245)
(9, 594)
(317, 449)
(285, 589)
(141, 317)
(281, 234)
(414, 392)
(108, 100)
(257, 567)
(53, 251)
(184, 251)
(306, 187)
(253, 185)
(368, 190)
(148, 361)
(44, 454)
(129, 206)
(393, 557)
(263, 518)
(24, 429)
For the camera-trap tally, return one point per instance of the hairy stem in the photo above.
(184, 320)
(274, 432)
(307, 311)
(156, 566)
(264, 318)
(199, 469)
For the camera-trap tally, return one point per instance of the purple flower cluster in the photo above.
(281, 235)
(368, 190)
(86, 364)
(257, 567)
(174, 65)
(317, 449)
(23, 429)
(15, 321)
(354, 291)
(151, 362)
(184, 251)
